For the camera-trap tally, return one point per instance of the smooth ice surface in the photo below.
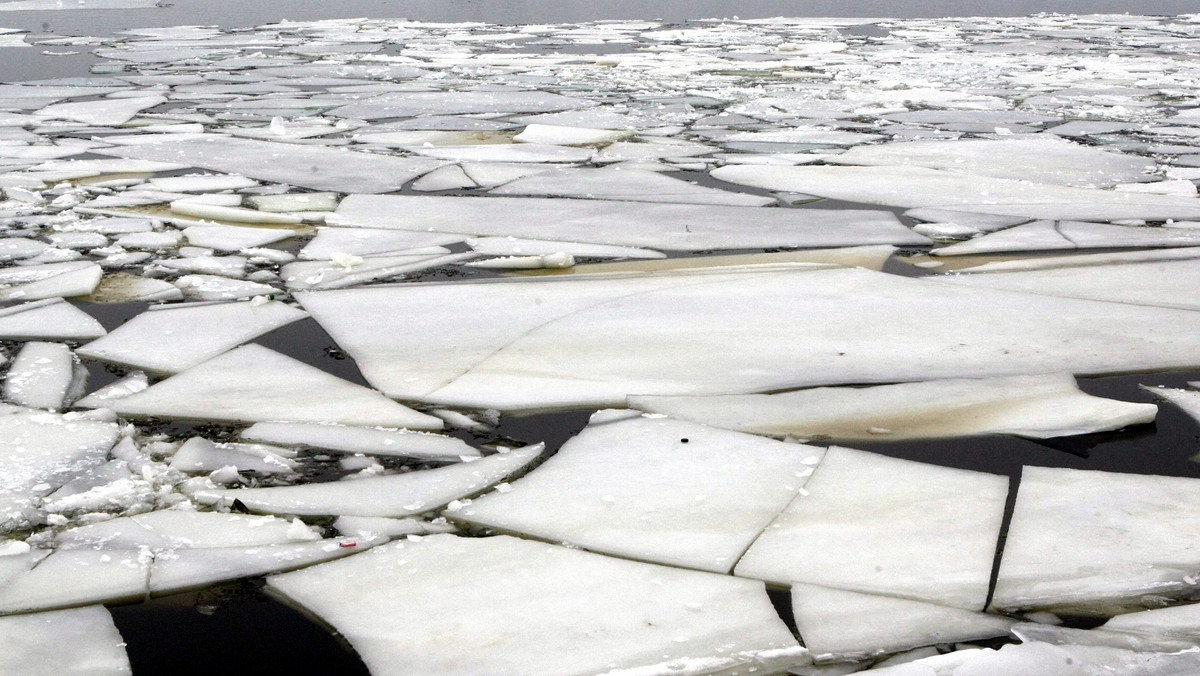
(43, 375)
(254, 384)
(369, 440)
(173, 338)
(652, 489)
(306, 166)
(844, 625)
(1187, 400)
(233, 238)
(392, 495)
(1177, 622)
(52, 318)
(230, 214)
(103, 112)
(625, 184)
(1098, 542)
(881, 525)
(1044, 659)
(1065, 235)
(1038, 406)
(656, 226)
(74, 641)
(412, 104)
(506, 152)
(532, 608)
(368, 242)
(346, 270)
(50, 280)
(201, 455)
(175, 529)
(584, 340)
(513, 246)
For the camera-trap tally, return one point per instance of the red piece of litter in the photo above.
(347, 544)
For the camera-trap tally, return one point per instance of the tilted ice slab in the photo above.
(1044, 659)
(347, 270)
(369, 440)
(514, 246)
(539, 609)
(173, 338)
(301, 165)
(592, 340)
(254, 384)
(392, 495)
(1064, 235)
(217, 287)
(656, 226)
(506, 152)
(1178, 622)
(909, 187)
(881, 525)
(233, 238)
(872, 257)
(412, 104)
(44, 375)
(554, 134)
(51, 318)
(101, 112)
(49, 280)
(1042, 159)
(838, 625)
(165, 530)
(652, 489)
(368, 242)
(1019, 263)
(1187, 400)
(201, 455)
(625, 184)
(74, 641)
(1098, 542)
(1038, 406)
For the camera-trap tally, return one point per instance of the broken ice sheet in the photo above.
(234, 238)
(393, 495)
(881, 525)
(506, 152)
(1038, 406)
(44, 375)
(1044, 659)
(1065, 235)
(345, 270)
(108, 112)
(368, 242)
(52, 318)
(215, 287)
(164, 530)
(652, 489)
(616, 183)
(49, 280)
(252, 384)
(869, 257)
(1098, 542)
(369, 440)
(413, 104)
(538, 609)
(514, 246)
(838, 625)
(76, 640)
(201, 455)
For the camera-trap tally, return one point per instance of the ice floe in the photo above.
(50, 318)
(44, 375)
(36, 644)
(370, 440)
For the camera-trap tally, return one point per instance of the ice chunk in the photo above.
(676, 227)
(202, 183)
(289, 202)
(370, 440)
(39, 5)
(645, 488)
(450, 177)
(216, 212)
(1175, 623)
(101, 112)
(1187, 400)
(1044, 659)
(506, 152)
(201, 455)
(1098, 542)
(1060, 235)
(49, 280)
(870, 257)
(17, 248)
(78, 640)
(348, 270)
(513, 246)
(1039, 406)
(372, 242)
(539, 609)
(123, 287)
(379, 526)
(44, 375)
(568, 136)
(53, 318)
(166, 530)
(625, 184)
(215, 287)
(234, 238)
(977, 221)
(392, 495)
(887, 526)
(413, 104)
(187, 569)
(253, 384)
(838, 625)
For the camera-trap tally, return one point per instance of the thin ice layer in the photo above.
(413, 104)
(1098, 542)
(1068, 235)
(656, 226)
(44, 375)
(392, 495)
(369, 440)
(586, 340)
(881, 525)
(1187, 400)
(652, 489)
(51, 318)
(173, 529)
(254, 384)
(625, 184)
(173, 338)
(1038, 406)
(531, 608)
(78, 640)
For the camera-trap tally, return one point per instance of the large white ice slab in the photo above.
(173, 338)
(911, 187)
(368, 242)
(201, 455)
(537, 609)
(881, 525)
(391, 495)
(514, 246)
(412, 104)
(1038, 406)
(255, 384)
(74, 641)
(592, 340)
(1044, 659)
(625, 184)
(347, 270)
(49, 280)
(506, 152)
(1065, 235)
(369, 440)
(306, 166)
(44, 375)
(165, 530)
(1098, 542)
(108, 112)
(656, 226)
(1187, 400)
(52, 318)
(653, 489)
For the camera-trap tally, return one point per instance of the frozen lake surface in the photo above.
(621, 339)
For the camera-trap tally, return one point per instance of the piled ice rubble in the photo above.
(672, 210)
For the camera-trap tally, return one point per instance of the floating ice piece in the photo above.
(676, 227)
(41, 5)
(345, 270)
(151, 241)
(201, 261)
(120, 287)
(393, 495)
(203, 183)
(568, 136)
(816, 135)
(1178, 187)
(379, 526)
(369, 242)
(44, 375)
(869, 257)
(17, 248)
(1174, 623)
(65, 170)
(1187, 400)
(881, 525)
(234, 238)
(306, 166)
(214, 287)
(911, 187)
(1097, 542)
(293, 202)
(201, 455)
(369, 440)
(539, 609)
(557, 260)
(511, 152)
(72, 641)
(1039, 407)
(644, 488)
(134, 382)
(165, 530)
(625, 184)
(1063, 235)
(412, 104)
(513, 246)
(1020, 264)
(188, 207)
(1042, 159)
(1080, 128)
(49, 280)
(52, 318)
(838, 625)
(101, 112)
(450, 177)
(980, 222)
(1044, 659)
(588, 341)
(492, 174)
(255, 384)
